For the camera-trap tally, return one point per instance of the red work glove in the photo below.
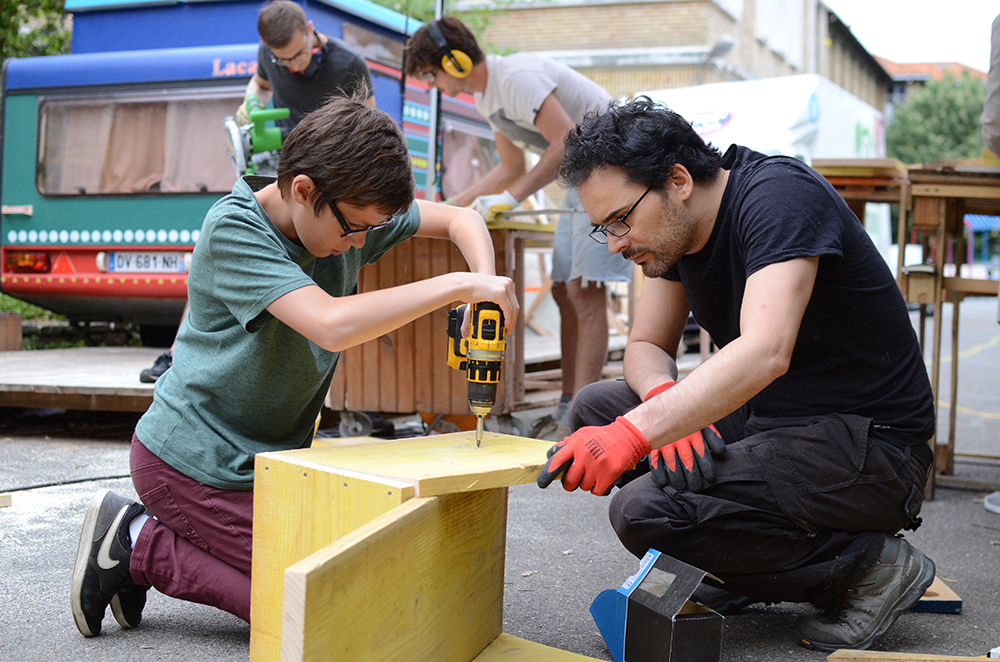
(594, 457)
(695, 469)
(656, 390)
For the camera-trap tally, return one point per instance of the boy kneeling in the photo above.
(273, 302)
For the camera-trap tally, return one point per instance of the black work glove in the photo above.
(686, 464)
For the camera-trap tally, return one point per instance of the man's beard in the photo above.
(672, 238)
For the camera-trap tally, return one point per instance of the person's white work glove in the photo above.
(491, 206)
(242, 113)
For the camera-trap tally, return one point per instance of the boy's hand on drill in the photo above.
(594, 457)
(686, 464)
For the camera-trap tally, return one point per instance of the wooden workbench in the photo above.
(938, 197)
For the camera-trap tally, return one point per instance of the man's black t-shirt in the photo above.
(341, 72)
(856, 352)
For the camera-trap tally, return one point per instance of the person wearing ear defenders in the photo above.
(300, 68)
(531, 102)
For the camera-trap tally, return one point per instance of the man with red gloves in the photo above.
(818, 389)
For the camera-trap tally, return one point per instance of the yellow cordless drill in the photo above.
(480, 355)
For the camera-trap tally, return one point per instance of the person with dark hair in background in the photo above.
(273, 291)
(531, 103)
(786, 464)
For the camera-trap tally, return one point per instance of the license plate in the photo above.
(146, 262)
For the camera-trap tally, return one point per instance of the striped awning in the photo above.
(982, 223)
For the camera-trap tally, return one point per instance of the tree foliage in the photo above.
(939, 121)
(33, 27)
(478, 19)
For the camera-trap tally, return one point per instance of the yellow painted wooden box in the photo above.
(388, 551)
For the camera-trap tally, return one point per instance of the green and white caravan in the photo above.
(110, 156)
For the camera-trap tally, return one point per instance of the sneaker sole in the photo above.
(925, 577)
(116, 611)
(82, 558)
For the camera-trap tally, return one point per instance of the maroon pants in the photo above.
(198, 546)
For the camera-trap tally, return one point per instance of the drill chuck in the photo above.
(482, 397)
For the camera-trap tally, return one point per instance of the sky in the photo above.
(922, 30)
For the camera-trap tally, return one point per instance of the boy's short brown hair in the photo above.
(278, 22)
(356, 153)
(422, 52)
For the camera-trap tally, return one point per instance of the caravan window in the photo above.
(373, 45)
(131, 143)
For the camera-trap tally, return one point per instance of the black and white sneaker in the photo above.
(102, 562)
(160, 366)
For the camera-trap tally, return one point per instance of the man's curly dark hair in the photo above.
(644, 139)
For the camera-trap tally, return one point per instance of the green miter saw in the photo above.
(253, 149)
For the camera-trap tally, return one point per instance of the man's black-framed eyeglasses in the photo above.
(348, 232)
(617, 227)
(429, 76)
(284, 62)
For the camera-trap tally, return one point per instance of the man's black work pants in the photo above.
(799, 508)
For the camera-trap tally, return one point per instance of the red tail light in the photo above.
(23, 262)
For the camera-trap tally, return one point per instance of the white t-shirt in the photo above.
(516, 86)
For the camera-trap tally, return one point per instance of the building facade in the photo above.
(632, 45)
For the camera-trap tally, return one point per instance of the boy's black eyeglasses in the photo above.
(617, 227)
(348, 232)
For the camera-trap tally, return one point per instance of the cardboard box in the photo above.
(650, 618)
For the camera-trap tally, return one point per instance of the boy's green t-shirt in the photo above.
(242, 382)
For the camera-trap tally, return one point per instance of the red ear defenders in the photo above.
(455, 62)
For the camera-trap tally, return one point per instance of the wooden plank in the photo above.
(939, 599)
(972, 286)
(458, 382)
(423, 582)
(439, 464)
(336, 398)
(870, 656)
(406, 339)
(299, 508)
(968, 483)
(5, 500)
(112, 401)
(84, 378)
(369, 392)
(387, 370)
(988, 190)
(423, 388)
(10, 332)
(507, 224)
(508, 648)
(926, 214)
(894, 166)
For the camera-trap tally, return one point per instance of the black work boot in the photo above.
(895, 584)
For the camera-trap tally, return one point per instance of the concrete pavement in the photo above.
(561, 551)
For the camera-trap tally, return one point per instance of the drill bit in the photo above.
(479, 431)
